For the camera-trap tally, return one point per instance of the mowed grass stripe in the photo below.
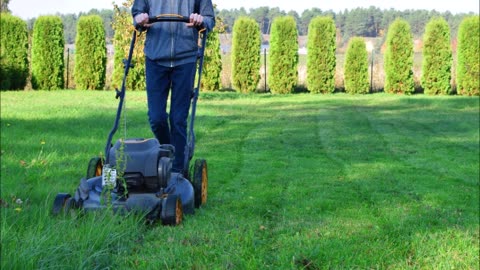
(399, 186)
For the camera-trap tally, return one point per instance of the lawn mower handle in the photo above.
(190, 147)
(168, 18)
(120, 94)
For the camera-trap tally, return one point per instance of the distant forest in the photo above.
(364, 22)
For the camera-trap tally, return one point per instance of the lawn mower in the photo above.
(136, 174)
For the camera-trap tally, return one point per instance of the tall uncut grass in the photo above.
(295, 182)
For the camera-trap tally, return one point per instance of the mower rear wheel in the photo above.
(200, 182)
(95, 167)
(59, 204)
(172, 213)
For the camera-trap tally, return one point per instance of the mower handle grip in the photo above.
(168, 18)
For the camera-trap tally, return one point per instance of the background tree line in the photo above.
(364, 22)
(70, 22)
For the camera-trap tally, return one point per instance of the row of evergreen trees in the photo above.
(321, 59)
(47, 56)
(47, 53)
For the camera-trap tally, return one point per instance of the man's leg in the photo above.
(182, 88)
(158, 79)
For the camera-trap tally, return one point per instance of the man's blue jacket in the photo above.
(173, 43)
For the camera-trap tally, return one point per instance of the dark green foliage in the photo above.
(321, 60)
(212, 67)
(47, 53)
(122, 24)
(4, 6)
(70, 24)
(468, 59)
(246, 55)
(398, 59)
(437, 58)
(90, 53)
(283, 55)
(367, 22)
(305, 18)
(14, 52)
(362, 22)
(356, 67)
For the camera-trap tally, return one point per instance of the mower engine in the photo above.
(147, 164)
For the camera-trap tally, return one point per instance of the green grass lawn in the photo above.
(295, 182)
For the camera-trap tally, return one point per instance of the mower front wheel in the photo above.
(172, 212)
(62, 203)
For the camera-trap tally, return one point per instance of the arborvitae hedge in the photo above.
(122, 25)
(437, 58)
(90, 53)
(468, 57)
(212, 67)
(283, 55)
(48, 47)
(14, 52)
(246, 55)
(321, 59)
(398, 58)
(356, 67)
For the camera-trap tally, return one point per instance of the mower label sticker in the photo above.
(109, 176)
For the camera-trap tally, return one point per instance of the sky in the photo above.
(27, 9)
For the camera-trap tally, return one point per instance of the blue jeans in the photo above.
(170, 129)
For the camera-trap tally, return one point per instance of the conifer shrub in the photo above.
(398, 59)
(468, 57)
(321, 59)
(246, 43)
(14, 52)
(212, 67)
(283, 55)
(356, 67)
(437, 58)
(122, 25)
(90, 53)
(48, 48)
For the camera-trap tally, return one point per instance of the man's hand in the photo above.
(195, 20)
(142, 20)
